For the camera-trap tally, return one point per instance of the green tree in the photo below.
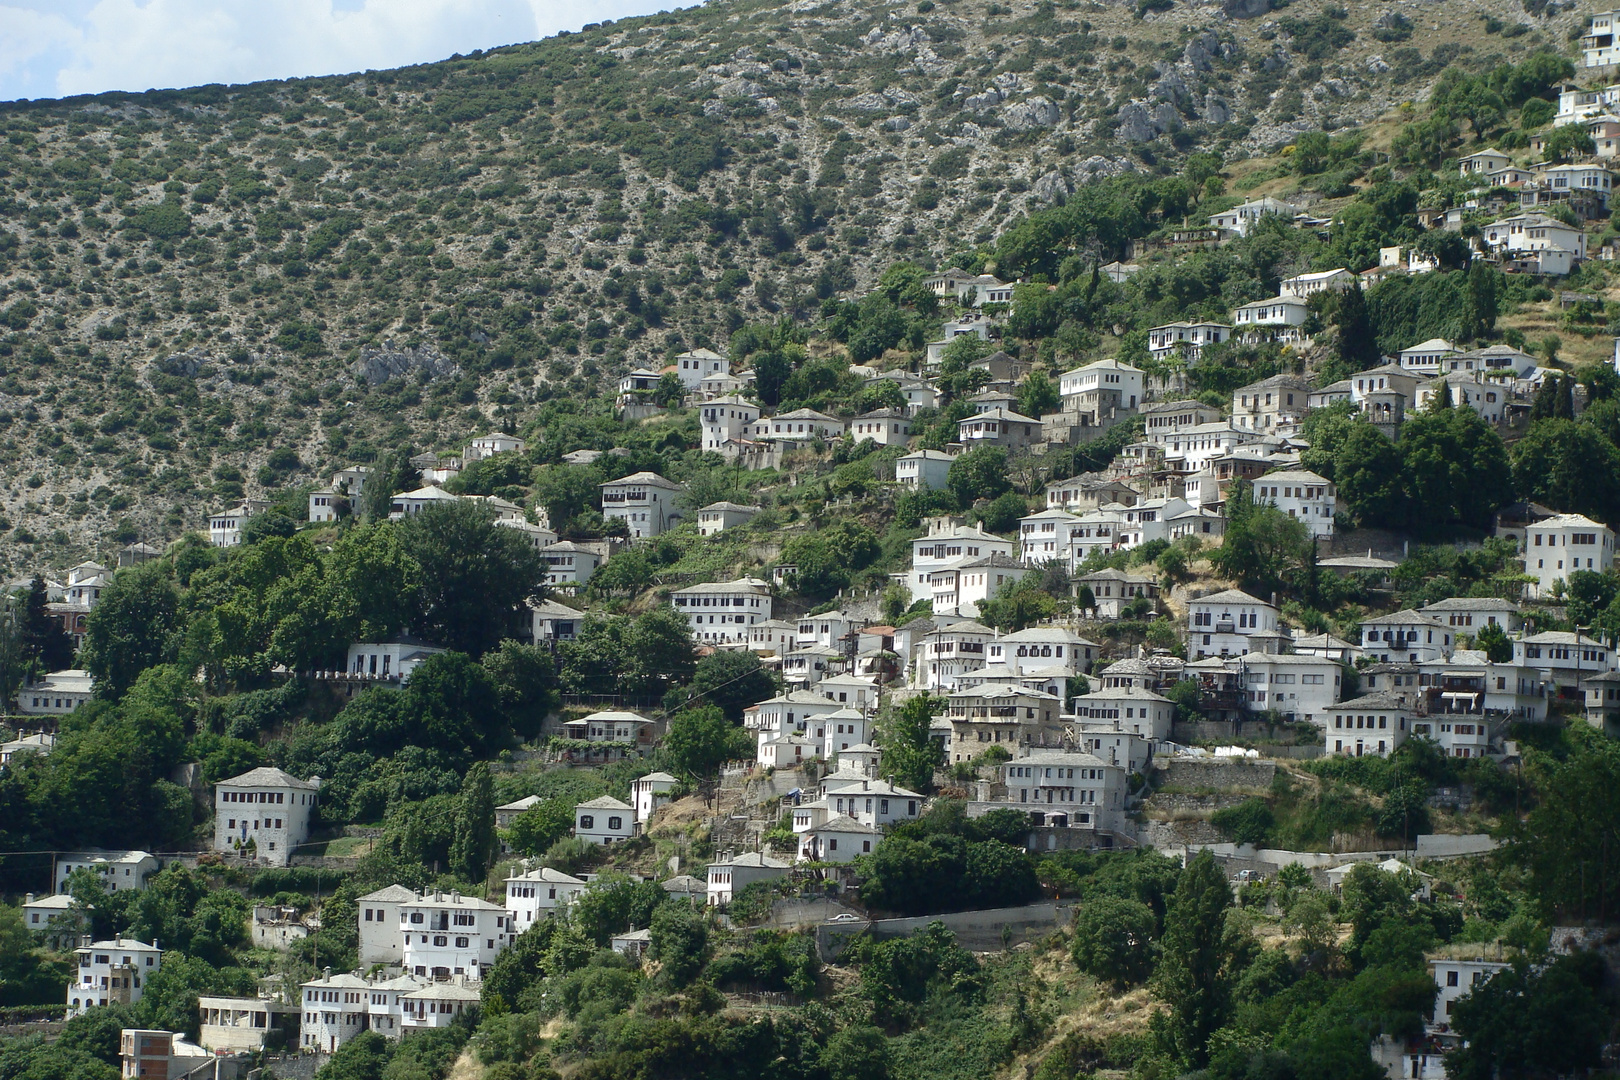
(1197, 959)
(1568, 142)
(133, 627)
(1264, 548)
(1456, 468)
(670, 391)
(540, 826)
(910, 754)
(1525, 1023)
(45, 644)
(1357, 345)
(1569, 466)
(1038, 396)
(1495, 643)
(1113, 940)
(1569, 842)
(525, 678)
(856, 1052)
(477, 577)
(701, 739)
(731, 679)
(474, 845)
(980, 473)
(680, 942)
(1370, 474)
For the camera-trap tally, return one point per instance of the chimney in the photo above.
(455, 896)
(28, 898)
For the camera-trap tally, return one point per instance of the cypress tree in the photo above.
(1195, 967)
(473, 847)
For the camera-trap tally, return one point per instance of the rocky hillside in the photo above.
(219, 291)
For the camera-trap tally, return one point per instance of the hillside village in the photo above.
(1173, 635)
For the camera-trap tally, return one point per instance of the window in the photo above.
(586, 821)
(615, 823)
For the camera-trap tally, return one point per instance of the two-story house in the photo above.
(111, 972)
(535, 895)
(1100, 388)
(1271, 405)
(1301, 494)
(1405, 635)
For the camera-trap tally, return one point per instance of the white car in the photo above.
(845, 916)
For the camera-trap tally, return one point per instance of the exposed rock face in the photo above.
(1051, 187)
(379, 365)
(1216, 110)
(1136, 123)
(1036, 112)
(185, 365)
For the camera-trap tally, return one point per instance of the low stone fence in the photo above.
(1199, 774)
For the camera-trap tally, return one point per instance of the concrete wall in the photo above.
(1442, 846)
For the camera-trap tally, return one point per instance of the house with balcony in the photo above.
(1065, 789)
(1100, 389)
(1372, 725)
(1005, 428)
(1271, 405)
(1001, 715)
(720, 612)
(446, 934)
(1306, 286)
(949, 652)
(644, 501)
(1279, 319)
(1185, 341)
(263, 814)
(1231, 623)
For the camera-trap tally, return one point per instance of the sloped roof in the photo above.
(266, 776)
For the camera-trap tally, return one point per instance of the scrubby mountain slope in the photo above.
(218, 291)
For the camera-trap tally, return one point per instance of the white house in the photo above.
(802, 425)
(886, 427)
(721, 611)
(960, 588)
(1557, 546)
(1114, 590)
(648, 793)
(998, 427)
(720, 516)
(1100, 387)
(57, 694)
(730, 876)
(111, 972)
(644, 501)
(612, 726)
(604, 820)
(1454, 979)
(725, 421)
(40, 912)
(773, 636)
(868, 801)
(1240, 219)
(926, 470)
(408, 503)
(324, 504)
(447, 934)
(388, 661)
(950, 652)
(1427, 357)
(1077, 790)
(225, 528)
(1531, 234)
(838, 839)
(535, 895)
(1230, 622)
(1562, 660)
(946, 544)
(699, 364)
(1405, 635)
(496, 442)
(1482, 163)
(120, 870)
(382, 941)
(1301, 494)
(1297, 685)
(1044, 537)
(1469, 615)
(1278, 318)
(569, 566)
(1185, 341)
(1127, 709)
(1307, 285)
(1043, 650)
(1371, 725)
(437, 1005)
(336, 1009)
(1469, 390)
(263, 814)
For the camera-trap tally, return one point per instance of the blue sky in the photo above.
(52, 48)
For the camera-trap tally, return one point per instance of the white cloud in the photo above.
(88, 46)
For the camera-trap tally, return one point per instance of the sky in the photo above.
(54, 48)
